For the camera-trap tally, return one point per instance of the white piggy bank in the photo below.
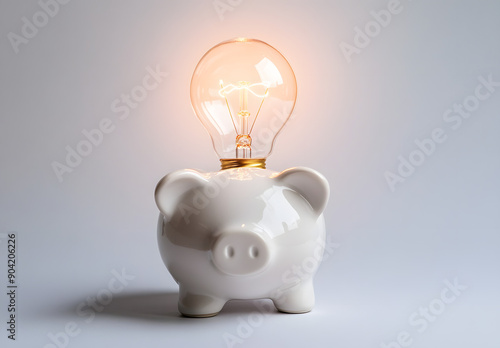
(242, 233)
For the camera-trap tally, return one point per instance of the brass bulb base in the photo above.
(228, 163)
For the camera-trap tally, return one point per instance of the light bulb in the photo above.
(243, 91)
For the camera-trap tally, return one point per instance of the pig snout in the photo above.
(240, 253)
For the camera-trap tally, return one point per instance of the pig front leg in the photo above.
(298, 299)
(198, 306)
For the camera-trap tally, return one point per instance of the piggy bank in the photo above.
(242, 233)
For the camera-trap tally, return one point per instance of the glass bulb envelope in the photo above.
(243, 91)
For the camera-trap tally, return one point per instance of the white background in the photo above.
(355, 115)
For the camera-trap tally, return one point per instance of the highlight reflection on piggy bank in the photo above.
(239, 233)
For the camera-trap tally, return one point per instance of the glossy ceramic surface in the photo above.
(242, 233)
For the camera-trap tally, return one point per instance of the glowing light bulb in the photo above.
(243, 91)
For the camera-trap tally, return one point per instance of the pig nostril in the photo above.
(229, 251)
(254, 252)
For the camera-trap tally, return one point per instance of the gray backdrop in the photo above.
(398, 106)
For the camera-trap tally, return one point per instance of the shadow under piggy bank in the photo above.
(155, 306)
(162, 306)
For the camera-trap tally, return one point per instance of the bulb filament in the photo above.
(243, 138)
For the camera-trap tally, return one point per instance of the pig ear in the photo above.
(309, 183)
(173, 186)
